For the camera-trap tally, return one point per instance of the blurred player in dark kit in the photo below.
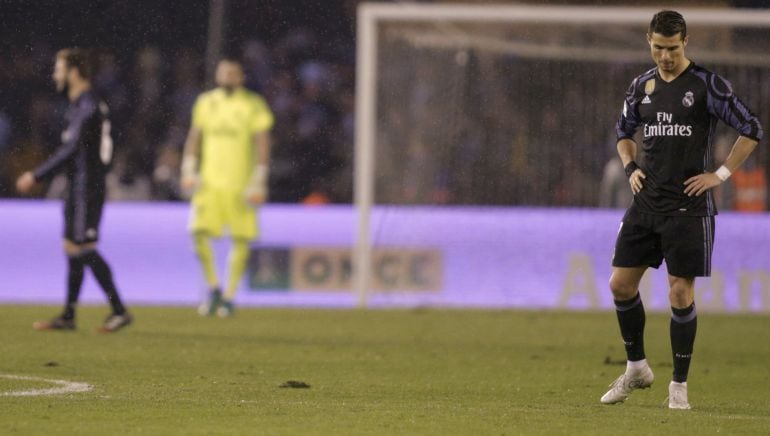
(84, 156)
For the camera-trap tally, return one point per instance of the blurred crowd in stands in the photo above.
(150, 79)
(150, 103)
(549, 151)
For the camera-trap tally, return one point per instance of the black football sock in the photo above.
(684, 324)
(74, 282)
(103, 275)
(631, 318)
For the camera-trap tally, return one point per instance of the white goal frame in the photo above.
(371, 14)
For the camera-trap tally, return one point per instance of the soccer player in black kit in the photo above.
(84, 156)
(677, 105)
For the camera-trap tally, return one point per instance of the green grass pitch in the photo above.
(373, 372)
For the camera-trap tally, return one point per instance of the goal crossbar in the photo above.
(371, 14)
(555, 14)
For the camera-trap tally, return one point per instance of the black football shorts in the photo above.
(82, 214)
(685, 242)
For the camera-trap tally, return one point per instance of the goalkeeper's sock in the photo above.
(103, 275)
(74, 283)
(237, 259)
(631, 319)
(205, 255)
(684, 324)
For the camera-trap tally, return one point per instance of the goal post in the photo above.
(537, 34)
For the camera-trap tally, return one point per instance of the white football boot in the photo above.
(677, 396)
(627, 382)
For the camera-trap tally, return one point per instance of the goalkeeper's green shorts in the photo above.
(214, 210)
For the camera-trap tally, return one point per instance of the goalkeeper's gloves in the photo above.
(189, 166)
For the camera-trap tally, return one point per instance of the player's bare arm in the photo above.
(189, 179)
(256, 192)
(701, 183)
(627, 153)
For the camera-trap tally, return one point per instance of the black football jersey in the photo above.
(86, 149)
(678, 120)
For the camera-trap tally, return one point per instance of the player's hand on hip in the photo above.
(25, 182)
(701, 183)
(637, 181)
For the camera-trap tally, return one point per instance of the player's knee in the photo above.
(682, 292)
(679, 299)
(622, 289)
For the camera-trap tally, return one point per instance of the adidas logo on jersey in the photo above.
(646, 100)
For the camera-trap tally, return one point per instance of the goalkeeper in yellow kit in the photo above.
(225, 166)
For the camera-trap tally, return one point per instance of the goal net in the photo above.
(513, 105)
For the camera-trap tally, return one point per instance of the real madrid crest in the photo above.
(688, 99)
(649, 86)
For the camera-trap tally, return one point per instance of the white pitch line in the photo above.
(64, 386)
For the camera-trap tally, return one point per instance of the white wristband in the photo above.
(723, 173)
(258, 180)
(189, 164)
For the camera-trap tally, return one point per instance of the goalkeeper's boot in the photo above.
(58, 323)
(209, 306)
(116, 322)
(677, 396)
(627, 382)
(225, 309)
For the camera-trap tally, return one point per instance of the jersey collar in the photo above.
(689, 67)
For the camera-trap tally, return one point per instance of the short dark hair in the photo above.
(77, 58)
(668, 23)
